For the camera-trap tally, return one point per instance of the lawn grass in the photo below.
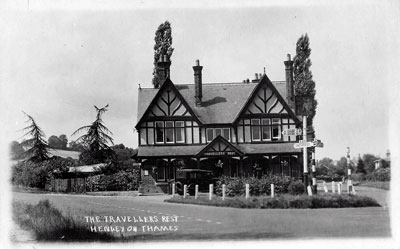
(283, 201)
(380, 185)
(49, 224)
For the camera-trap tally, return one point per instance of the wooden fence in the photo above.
(77, 185)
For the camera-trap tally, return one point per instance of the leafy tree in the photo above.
(123, 153)
(163, 46)
(39, 147)
(341, 167)
(63, 141)
(16, 150)
(58, 142)
(360, 166)
(54, 142)
(325, 166)
(96, 140)
(369, 162)
(73, 145)
(303, 82)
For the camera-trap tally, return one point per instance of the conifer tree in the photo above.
(303, 81)
(38, 150)
(360, 166)
(162, 46)
(96, 140)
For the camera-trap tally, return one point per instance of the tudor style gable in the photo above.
(168, 119)
(168, 103)
(266, 99)
(220, 147)
(265, 115)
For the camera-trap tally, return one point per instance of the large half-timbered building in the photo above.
(233, 129)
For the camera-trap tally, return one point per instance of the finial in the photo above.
(264, 70)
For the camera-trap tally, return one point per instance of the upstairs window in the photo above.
(169, 131)
(266, 129)
(179, 131)
(159, 132)
(255, 130)
(214, 132)
(276, 128)
(210, 135)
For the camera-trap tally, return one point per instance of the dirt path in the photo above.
(17, 234)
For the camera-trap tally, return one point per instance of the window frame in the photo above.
(252, 129)
(182, 133)
(162, 130)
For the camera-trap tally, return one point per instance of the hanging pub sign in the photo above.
(304, 105)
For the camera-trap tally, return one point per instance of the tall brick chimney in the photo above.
(198, 82)
(289, 82)
(163, 66)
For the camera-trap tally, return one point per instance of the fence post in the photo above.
(325, 187)
(247, 190)
(309, 190)
(211, 192)
(333, 187)
(223, 191)
(272, 190)
(184, 190)
(196, 191)
(173, 189)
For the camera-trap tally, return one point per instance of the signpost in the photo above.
(292, 132)
(303, 144)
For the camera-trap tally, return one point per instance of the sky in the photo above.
(57, 63)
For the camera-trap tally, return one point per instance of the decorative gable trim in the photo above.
(279, 103)
(150, 112)
(220, 147)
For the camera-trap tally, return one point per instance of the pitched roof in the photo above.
(221, 102)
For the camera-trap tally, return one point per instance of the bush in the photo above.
(358, 177)
(121, 181)
(284, 201)
(330, 178)
(381, 174)
(296, 188)
(258, 186)
(37, 174)
(49, 224)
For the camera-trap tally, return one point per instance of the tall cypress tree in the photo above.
(162, 46)
(303, 82)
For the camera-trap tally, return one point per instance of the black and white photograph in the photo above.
(225, 124)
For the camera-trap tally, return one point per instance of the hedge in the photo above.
(258, 186)
(283, 201)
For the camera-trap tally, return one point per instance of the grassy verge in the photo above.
(284, 201)
(49, 224)
(380, 185)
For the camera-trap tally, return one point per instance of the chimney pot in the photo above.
(259, 76)
(256, 76)
(288, 57)
(197, 62)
